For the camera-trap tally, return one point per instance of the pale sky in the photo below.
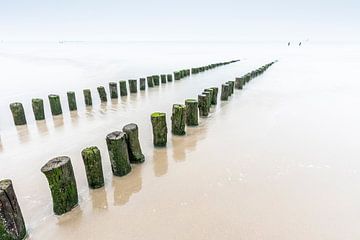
(111, 20)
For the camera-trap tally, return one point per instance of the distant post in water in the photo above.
(118, 152)
(203, 105)
(215, 95)
(208, 98)
(224, 92)
(156, 80)
(133, 85)
(102, 93)
(150, 81)
(38, 108)
(211, 91)
(238, 83)
(163, 78)
(71, 101)
(133, 143)
(178, 119)
(93, 167)
(177, 75)
(142, 84)
(18, 113)
(169, 77)
(55, 104)
(231, 85)
(123, 89)
(87, 97)
(158, 121)
(192, 112)
(113, 90)
(60, 175)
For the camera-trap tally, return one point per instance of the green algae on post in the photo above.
(215, 95)
(177, 75)
(118, 153)
(150, 81)
(169, 77)
(71, 101)
(158, 122)
(142, 84)
(113, 90)
(87, 97)
(208, 99)
(212, 93)
(123, 89)
(133, 85)
(163, 78)
(102, 93)
(55, 104)
(238, 83)
(231, 85)
(133, 143)
(93, 167)
(60, 175)
(224, 92)
(192, 112)
(18, 113)
(12, 225)
(156, 80)
(203, 105)
(38, 108)
(178, 118)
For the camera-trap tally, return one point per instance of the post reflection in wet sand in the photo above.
(23, 133)
(71, 219)
(160, 161)
(125, 186)
(114, 104)
(99, 198)
(58, 121)
(103, 108)
(42, 127)
(74, 118)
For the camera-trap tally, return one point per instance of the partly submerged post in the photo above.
(60, 175)
(12, 225)
(55, 104)
(133, 143)
(38, 108)
(142, 84)
(113, 90)
(224, 92)
(18, 113)
(203, 105)
(156, 80)
(93, 167)
(123, 89)
(163, 78)
(133, 85)
(208, 98)
(215, 95)
(212, 92)
(177, 75)
(71, 101)
(192, 112)
(178, 118)
(231, 85)
(169, 77)
(87, 97)
(158, 121)
(150, 81)
(102, 94)
(118, 152)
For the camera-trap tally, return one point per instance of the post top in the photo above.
(55, 163)
(115, 135)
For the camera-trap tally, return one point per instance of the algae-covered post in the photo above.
(118, 153)
(169, 77)
(55, 104)
(133, 143)
(203, 105)
(38, 108)
(178, 118)
(158, 121)
(113, 90)
(231, 84)
(12, 225)
(192, 112)
(150, 81)
(215, 95)
(60, 175)
(93, 167)
(71, 101)
(133, 85)
(102, 93)
(156, 80)
(163, 78)
(18, 113)
(238, 83)
(87, 97)
(224, 92)
(211, 91)
(123, 89)
(142, 84)
(177, 75)
(208, 99)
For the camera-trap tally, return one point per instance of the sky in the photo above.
(157, 20)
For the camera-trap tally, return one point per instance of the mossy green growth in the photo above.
(71, 101)
(192, 112)
(93, 167)
(158, 121)
(118, 153)
(150, 81)
(38, 108)
(102, 93)
(113, 90)
(18, 113)
(156, 80)
(178, 119)
(142, 84)
(133, 85)
(55, 104)
(203, 105)
(123, 88)
(87, 97)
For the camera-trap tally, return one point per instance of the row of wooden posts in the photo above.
(123, 148)
(18, 112)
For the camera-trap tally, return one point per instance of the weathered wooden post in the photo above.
(133, 143)
(113, 90)
(224, 92)
(238, 83)
(87, 97)
(192, 112)
(215, 95)
(12, 225)
(178, 119)
(71, 101)
(169, 77)
(158, 121)
(212, 93)
(93, 167)
(203, 105)
(55, 104)
(60, 175)
(18, 113)
(150, 81)
(142, 84)
(231, 84)
(38, 108)
(163, 78)
(118, 152)
(123, 89)
(208, 98)
(133, 85)
(102, 93)
(177, 75)
(156, 80)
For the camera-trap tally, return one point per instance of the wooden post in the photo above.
(142, 84)
(169, 77)
(192, 112)
(133, 143)
(208, 99)
(178, 119)
(224, 92)
(158, 121)
(113, 90)
(18, 113)
(133, 85)
(156, 80)
(238, 83)
(231, 84)
(93, 167)
(215, 95)
(150, 81)
(123, 89)
(102, 93)
(203, 105)
(12, 225)
(212, 93)
(87, 97)
(118, 152)
(38, 108)
(163, 78)
(71, 101)
(60, 175)
(177, 75)
(55, 104)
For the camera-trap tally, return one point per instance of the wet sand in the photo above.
(279, 160)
